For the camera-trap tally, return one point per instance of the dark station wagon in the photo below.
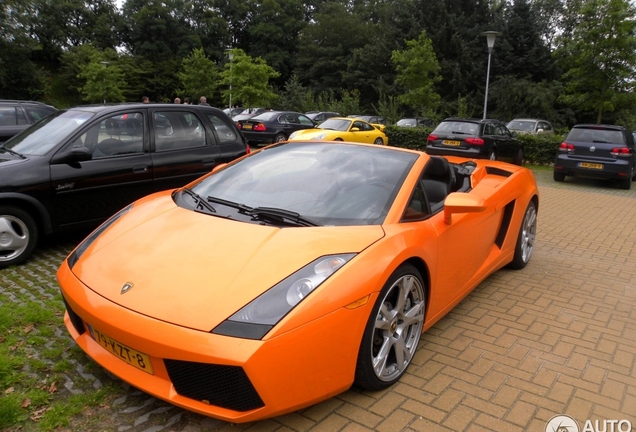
(77, 167)
(474, 138)
(597, 151)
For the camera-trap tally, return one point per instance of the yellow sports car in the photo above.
(343, 129)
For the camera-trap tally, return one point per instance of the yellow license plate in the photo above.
(451, 143)
(125, 353)
(247, 126)
(591, 165)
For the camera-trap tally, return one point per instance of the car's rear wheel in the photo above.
(525, 240)
(519, 157)
(18, 235)
(625, 183)
(378, 141)
(393, 330)
(280, 137)
(558, 176)
(338, 139)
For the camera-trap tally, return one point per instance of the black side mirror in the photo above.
(75, 154)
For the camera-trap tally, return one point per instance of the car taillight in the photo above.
(566, 147)
(432, 137)
(620, 151)
(474, 141)
(248, 149)
(260, 127)
(238, 125)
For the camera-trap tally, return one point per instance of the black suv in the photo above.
(474, 138)
(597, 151)
(16, 115)
(77, 167)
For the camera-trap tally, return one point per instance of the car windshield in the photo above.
(335, 124)
(596, 135)
(327, 183)
(47, 133)
(457, 127)
(522, 125)
(407, 122)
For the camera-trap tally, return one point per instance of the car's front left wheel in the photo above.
(378, 141)
(393, 330)
(280, 138)
(18, 235)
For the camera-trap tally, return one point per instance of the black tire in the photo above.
(400, 320)
(338, 139)
(378, 141)
(280, 138)
(18, 235)
(525, 239)
(634, 173)
(625, 184)
(519, 157)
(558, 176)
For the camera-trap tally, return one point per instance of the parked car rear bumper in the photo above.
(474, 153)
(611, 168)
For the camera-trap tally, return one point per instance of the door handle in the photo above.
(208, 162)
(140, 169)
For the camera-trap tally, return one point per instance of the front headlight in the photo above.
(319, 137)
(79, 250)
(264, 312)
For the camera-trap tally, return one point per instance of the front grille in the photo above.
(219, 385)
(78, 323)
(505, 224)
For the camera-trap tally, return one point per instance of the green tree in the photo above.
(102, 81)
(273, 32)
(599, 57)
(417, 71)
(249, 79)
(199, 76)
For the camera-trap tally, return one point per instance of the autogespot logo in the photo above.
(562, 423)
(565, 423)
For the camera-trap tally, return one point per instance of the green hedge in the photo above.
(537, 150)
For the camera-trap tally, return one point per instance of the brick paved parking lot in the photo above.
(558, 337)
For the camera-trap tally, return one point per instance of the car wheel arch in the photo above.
(38, 212)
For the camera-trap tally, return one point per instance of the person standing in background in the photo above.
(177, 100)
(203, 101)
(145, 99)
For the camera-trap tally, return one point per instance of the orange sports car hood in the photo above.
(196, 270)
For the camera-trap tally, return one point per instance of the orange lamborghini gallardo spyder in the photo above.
(282, 278)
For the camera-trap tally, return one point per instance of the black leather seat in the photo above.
(437, 180)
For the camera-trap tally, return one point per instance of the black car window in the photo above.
(8, 116)
(38, 112)
(458, 127)
(177, 130)
(489, 129)
(304, 120)
(224, 132)
(501, 130)
(114, 136)
(596, 135)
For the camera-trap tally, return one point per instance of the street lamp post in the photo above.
(105, 63)
(490, 40)
(230, 55)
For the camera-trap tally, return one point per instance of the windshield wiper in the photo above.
(201, 204)
(281, 214)
(241, 207)
(460, 132)
(13, 152)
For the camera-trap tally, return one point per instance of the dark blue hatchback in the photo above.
(597, 151)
